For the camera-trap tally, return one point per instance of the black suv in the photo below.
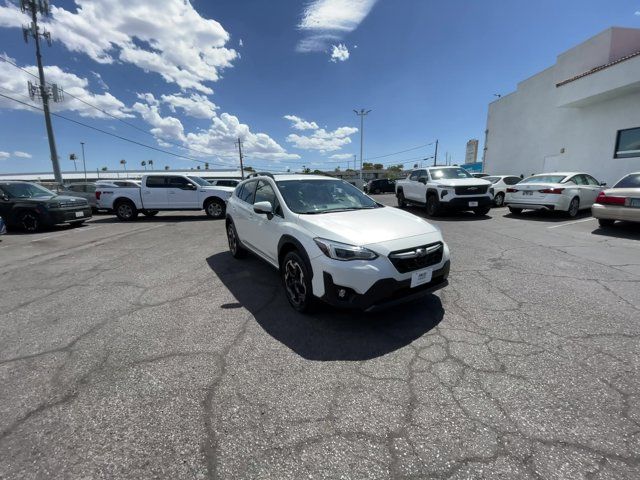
(32, 207)
(380, 185)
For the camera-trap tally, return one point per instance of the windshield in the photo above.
(492, 179)
(544, 179)
(200, 181)
(630, 181)
(323, 196)
(25, 190)
(449, 173)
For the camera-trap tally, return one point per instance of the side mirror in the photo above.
(263, 208)
(423, 180)
(603, 184)
(189, 186)
(4, 197)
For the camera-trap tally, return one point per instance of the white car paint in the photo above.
(554, 191)
(382, 230)
(500, 183)
(622, 202)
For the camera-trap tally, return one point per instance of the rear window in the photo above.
(630, 181)
(544, 179)
(492, 179)
(155, 182)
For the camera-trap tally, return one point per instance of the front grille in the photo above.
(77, 203)
(416, 258)
(472, 190)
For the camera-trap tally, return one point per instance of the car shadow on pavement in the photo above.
(327, 334)
(451, 216)
(626, 230)
(156, 219)
(548, 216)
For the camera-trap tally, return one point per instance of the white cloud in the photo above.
(328, 21)
(100, 81)
(301, 124)
(217, 139)
(196, 106)
(20, 154)
(240, 43)
(4, 155)
(14, 83)
(323, 140)
(637, 13)
(339, 53)
(173, 41)
(342, 156)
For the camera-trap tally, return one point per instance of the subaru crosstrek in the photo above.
(332, 242)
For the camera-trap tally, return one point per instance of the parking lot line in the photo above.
(61, 234)
(571, 223)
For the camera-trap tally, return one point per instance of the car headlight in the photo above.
(343, 251)
(53, 205)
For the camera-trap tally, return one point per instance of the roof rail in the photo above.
(260, 174)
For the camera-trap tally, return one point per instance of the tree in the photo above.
(318, 172)
(378, 166)
(150, 163)
(206, 166)
(306, 170)
(123, 162)
(104, 169)
(395, 168)
(337, 169)
(166, 167)
(144, 164)
(198, 167)
(249, 169)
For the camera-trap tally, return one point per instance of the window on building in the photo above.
(628, 143)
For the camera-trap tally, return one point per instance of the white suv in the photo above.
(332, 242)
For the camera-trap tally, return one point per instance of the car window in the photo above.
(592, 181)
(247, 192)
(90, 188)
(449, 173)
(323, 196)
(156, 182)
(580, 180)
(178, 182)
(512, 180)
(414, 175)
(76, 188)
(544, 179)
(265, 193)
(630, 181)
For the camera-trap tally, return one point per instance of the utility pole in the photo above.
(239, 143)
(362, 113)
(84, 164)
(435, 156)
(355, 159)
(35, 7)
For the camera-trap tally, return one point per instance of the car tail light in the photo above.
(511, 190)
(606, 200)
(554, 191)
(98, 193)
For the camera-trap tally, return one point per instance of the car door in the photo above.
(415, 186)
(182, 193)
(243, 212)
(265, 230)
(592, 189)
(154, 192)
(583, 190)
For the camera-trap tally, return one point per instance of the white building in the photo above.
(583, 113)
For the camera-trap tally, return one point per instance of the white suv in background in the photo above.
(332, 242)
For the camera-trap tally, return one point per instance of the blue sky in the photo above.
(283, 75)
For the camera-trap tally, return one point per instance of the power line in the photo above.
(135, 142)
(401, 151)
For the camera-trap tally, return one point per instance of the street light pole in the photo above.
(435, 156)
(362, 113)
(84, 164)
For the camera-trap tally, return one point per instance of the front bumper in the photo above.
(462, 202)
(67, 215)
(384, 293)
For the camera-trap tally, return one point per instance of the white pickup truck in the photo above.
(442, 188)
(164, 192)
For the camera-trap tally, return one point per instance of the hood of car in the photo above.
(462, 182)
(369, 227)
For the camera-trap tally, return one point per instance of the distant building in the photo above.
(472, 151)
(581, 114)
(94, 175)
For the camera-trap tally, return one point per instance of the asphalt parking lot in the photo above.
(144, 350)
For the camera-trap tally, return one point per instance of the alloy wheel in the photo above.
(294, 282)
(125, 210)
(214, 209)
(29, 222)
(231, 237)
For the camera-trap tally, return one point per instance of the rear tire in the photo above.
(498, 201)
(296, 279)
(401, 201)
(606, 222)
(29, 222)
(433, 209)
(574, 207)
(126, 211)
(235, 247)
(482, 211)
(515, 211)
(215, 208)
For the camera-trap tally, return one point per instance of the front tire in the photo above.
(296, 279)
(515, 211)
(236, 249)
(606, 222)
(574, 207)
(126, 211)
(215, 208)
(30, 222)
(401, 201)
(433, 209)
(499, 200)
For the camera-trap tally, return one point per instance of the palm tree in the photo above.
(150, 163)
(166, 167)
(198, 167)
(123, 162)
(144, 164)
(104, 169)
(206, 166)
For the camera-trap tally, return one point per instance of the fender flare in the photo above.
(432, 191)
(287, 240)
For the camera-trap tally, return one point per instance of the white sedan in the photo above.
(565, 192)
(500, 185)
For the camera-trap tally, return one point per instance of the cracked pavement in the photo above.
(143, 350)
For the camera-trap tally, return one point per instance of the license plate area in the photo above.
(421, 277)
(79, 214)
(473, 204)
(525, 193)
(634, 202)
